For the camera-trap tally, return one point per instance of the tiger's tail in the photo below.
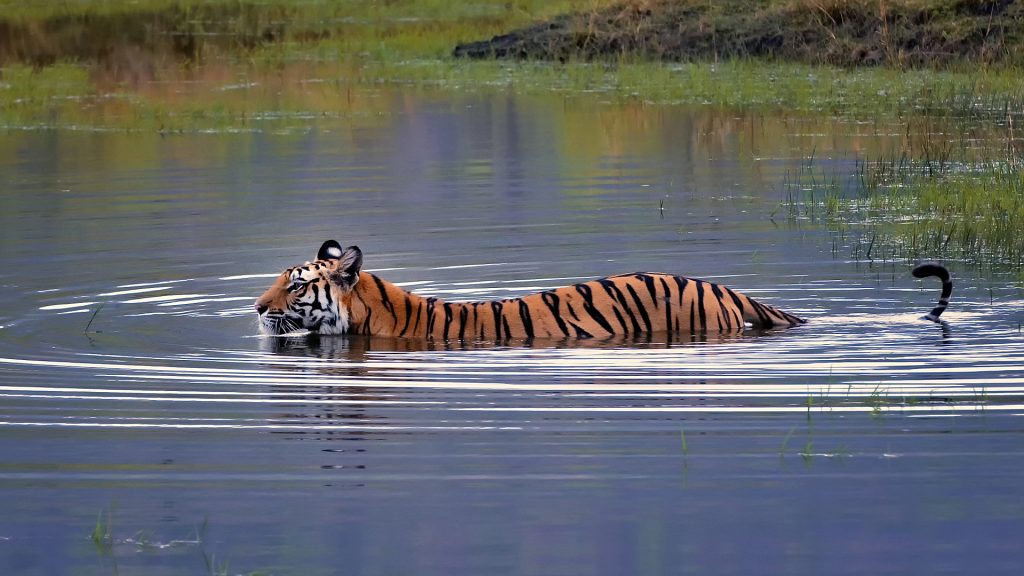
(764, 316)
(932, 269)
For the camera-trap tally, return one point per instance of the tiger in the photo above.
(333, 295)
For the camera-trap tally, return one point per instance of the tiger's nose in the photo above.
(261, 308)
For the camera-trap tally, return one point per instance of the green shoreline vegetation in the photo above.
(85, 64)
(229, 65)
(900, 209)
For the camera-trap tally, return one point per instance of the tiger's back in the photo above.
(634, 304)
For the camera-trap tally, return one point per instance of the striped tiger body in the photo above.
(332, 295)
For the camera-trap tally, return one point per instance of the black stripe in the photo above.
(315, 304)
(622, 321)
(430, 316)
(588, 307)
(739, 320)
(476, 317)
(608, 288)
(739, 304)
(651, 288)
(668, 305)
(766, 320)
(408, 316)
(524, 314)
(700, 306)
(330, 298)
(447, 320)
(551, 299)
(681, 283)
(504, 323)
(419, 308)
(614, 292)
(721, 307)
(640, 308)
(463, 315)
(366, 322)
(498, 316)
(476, 320)
(580, 332)
(572, 312)
(384, 297)
(693, 317)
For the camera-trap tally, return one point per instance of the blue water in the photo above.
(133, 384)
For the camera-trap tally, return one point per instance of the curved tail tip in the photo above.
(930, 269)
(933, 269)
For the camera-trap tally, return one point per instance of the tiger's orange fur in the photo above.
(332, 295)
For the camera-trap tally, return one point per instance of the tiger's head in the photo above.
(314, 296)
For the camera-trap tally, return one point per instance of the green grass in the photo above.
(785, 442)
(101, 535)
(969, 209)
(261, 96)
(326, 58)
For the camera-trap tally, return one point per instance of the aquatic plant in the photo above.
(960, 203)
(785, 442)
(806, 452)
(101, 535)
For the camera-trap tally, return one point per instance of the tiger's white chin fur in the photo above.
(328, 325)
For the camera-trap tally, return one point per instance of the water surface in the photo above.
(133, 382)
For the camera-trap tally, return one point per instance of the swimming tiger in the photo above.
(333, 295)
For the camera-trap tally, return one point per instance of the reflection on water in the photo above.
(132, 378)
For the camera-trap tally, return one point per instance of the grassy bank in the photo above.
(236, 65)
(229, 65)
(897, 33)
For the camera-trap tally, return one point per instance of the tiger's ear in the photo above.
(330, 250)
(346, 274)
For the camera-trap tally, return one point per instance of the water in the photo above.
(133, 383)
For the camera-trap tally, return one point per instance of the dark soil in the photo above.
(908, 33)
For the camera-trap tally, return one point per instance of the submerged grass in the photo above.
(905, 207)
